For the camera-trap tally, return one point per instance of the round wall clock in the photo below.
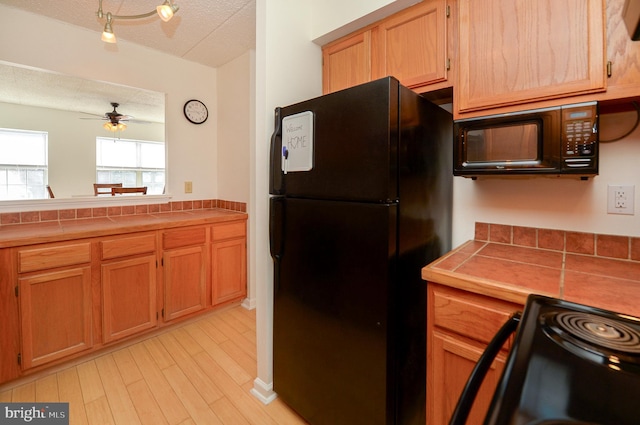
(195, 111)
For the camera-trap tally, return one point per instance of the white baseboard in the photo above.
(263, 391)
(249, 303)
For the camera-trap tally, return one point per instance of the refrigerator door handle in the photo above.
(276, 180)
(276, 239)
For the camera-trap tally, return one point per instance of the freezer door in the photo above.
(335, 270)
(355, 145)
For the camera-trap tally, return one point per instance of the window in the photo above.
(23, 164)
(131, 162)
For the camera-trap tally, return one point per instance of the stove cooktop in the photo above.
(570, 364)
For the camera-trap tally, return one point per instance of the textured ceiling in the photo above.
(32, 87)
(209, 32)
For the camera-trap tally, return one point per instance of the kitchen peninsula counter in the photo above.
(510, 262)
(70, 287)
(54, 231)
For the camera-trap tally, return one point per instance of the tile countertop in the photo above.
(597, 270)
(53, 231)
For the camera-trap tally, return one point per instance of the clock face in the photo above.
(196, 111)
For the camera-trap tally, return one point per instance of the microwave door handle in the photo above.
(468, 396)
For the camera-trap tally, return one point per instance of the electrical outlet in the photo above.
(620, 199)
(188, 187)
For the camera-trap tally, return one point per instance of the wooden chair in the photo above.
(104, 188)
(50, 192)
(121, 190)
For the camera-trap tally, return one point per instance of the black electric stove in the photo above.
(570, 364)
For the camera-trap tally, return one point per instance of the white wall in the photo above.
(236, 118)
(192, 149)
(236, 131)
(334, 18)
(288, 69)
(553, 203)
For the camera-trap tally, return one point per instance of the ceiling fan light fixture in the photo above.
(113, 127)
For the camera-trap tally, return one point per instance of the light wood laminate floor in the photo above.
(197, 373)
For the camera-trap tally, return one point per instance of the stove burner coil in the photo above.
(601, 331)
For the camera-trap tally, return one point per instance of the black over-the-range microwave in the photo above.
(560, 140)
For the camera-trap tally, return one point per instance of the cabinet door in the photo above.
(452, 361)
(412, 45)
(515, 51)
(128, 297)
(623, 53)
(229, 270)
(347, 62)
(55, 311)
(184, 281)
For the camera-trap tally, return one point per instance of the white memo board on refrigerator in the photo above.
(297, 142)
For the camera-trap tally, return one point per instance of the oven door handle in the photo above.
(461, 413)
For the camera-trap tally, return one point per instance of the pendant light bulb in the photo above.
(166, 10)
(107, 35)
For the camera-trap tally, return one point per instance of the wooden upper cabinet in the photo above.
(346, 62)
(412, 45)
(623, 54)
(518, 51)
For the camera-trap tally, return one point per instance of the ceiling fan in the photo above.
(115, 121)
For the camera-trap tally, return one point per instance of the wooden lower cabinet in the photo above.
(460, 324)
(184, 281)
(55, 311)
(184, 262)
(229, 262)
(60, 300)
(128, 297)
(452, 361)
(229, 270)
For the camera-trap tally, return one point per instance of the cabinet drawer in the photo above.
(55, 256)
(184, 237)
(122, 247)
(473, 316)
(228, 231)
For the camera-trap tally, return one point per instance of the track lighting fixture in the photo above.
(165, 11)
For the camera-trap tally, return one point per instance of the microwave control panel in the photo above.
(580, 136)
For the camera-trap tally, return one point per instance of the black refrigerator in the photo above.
(361, 185)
